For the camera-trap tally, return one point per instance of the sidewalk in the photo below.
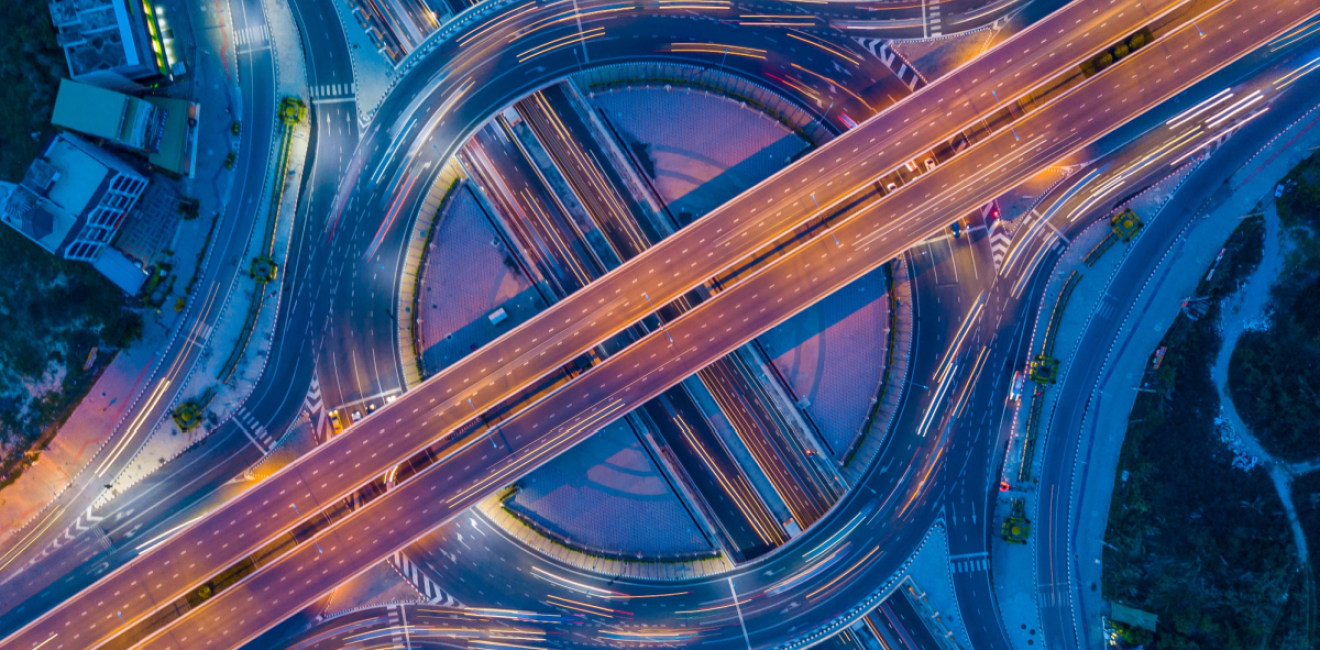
(165, 441)
(373, 72)
(931, 571)
(1016, 586)
(211, 81)
(83, 434)
(1156, 307)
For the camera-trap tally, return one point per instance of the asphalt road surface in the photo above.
(626, 380)
(607, 307)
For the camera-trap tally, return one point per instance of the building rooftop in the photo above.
(89, 32)
(114, 116)
(107, 36)
(42, 221)
(178, 144)
(57, 188)
(79, 174)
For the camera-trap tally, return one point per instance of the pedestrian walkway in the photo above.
(1018, 595)
(1241, 312)
(164, 442)
(1144, 326)
(99, 415)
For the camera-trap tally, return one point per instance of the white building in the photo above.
(73, 198)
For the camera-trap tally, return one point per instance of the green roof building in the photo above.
(113, 116)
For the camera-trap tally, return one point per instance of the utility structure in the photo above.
(1016, 527)
(1126, 224)
(188, 414)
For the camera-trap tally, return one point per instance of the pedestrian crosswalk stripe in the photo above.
(251, 35)
(332, 91)
(423, 584)
(905, 73)
(967, 566)
(253, 430)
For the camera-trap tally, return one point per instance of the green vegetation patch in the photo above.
(1203, 545)
(1306, 499)
(31, 64)
(52, 313)
(1274, 374)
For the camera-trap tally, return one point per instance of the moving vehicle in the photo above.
(1015, 389)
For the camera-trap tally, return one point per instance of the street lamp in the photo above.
(826, 222)
(490, 430)
(658, 317)
(1001, 104)
(295, 509)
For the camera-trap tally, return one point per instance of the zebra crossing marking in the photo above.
(934, 18)
(1049, 596)
(1106, 307)
(432, 592)
(253, 430)
(905, 73)
(968, 566)
(252, 35)
(396, 627)
(333, 92)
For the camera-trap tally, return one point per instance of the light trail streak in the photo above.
(812, 570)
(811, 40)
(934, 404)
(834, 540)
(514, 12)
(1292, 77)
(1207, 104)
(971, 381)
(961, 336)
(836, 85)
(166, 535)
(1224, 115)
(768, 532)
(865, 559)
(713, 48)
(559, 43)
(805, 90)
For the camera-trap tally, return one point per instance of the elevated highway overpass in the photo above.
(265, 507)
(490, 459)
